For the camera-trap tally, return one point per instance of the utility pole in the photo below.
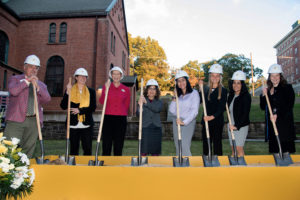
(252, 75)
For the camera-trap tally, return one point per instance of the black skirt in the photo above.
(151, 140)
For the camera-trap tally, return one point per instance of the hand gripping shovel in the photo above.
(235, 160)
(281, 159)
(39, 160)
(180, 161)
(100, 162)
(70, 160)
(138, 161)
(208, 160)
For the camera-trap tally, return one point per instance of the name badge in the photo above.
(122, 90)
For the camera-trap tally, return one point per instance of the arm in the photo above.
(194, 108)
(288, 101)
(127, 100)
(43, 94)
(172, 108)
(15, 86)
(64, 101)
(101, 99)
(263, 102)
(92, 106)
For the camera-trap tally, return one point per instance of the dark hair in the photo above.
(243, 89)
(270, 84)
(157, 92)
(189, 88)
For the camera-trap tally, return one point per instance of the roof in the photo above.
(28, 9)
(296, 27)
(130, 81)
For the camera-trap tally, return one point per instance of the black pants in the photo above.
(114, 129)
(83, 134)
(215, 132)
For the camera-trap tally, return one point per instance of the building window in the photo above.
(111, 42)
(111, 65)
(297, 70)
(296, 60)
(63, 32)
(114, 51)
(4, 44)
(296, 50)
(55, 76)
(52, 33)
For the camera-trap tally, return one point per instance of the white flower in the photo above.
(2, 138)
(15, 141)
(4, 160)
(32, 177)
(4, 166)
(17, 183)
(11, 166)
(24, 158)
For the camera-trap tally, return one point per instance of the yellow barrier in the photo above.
(196, 182)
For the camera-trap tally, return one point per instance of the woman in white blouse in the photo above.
(188, 100)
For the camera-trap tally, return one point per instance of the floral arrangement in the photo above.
(15, 176)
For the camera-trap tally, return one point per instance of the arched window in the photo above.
(55, 76)
(4, 44)
(63, 32)
(52, 33)
(111, 65)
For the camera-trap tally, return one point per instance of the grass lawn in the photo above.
(57, 147)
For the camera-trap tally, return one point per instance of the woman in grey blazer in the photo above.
(152, 106)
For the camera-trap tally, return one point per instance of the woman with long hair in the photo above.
(239, 102)
(152, 132)
(215, 97)
(188, 100)
(282, 99)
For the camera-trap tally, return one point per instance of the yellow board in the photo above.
(117, 180)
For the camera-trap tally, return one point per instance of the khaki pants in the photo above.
(25, 131)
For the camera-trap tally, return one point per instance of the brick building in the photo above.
(288, 54)
(65, 35)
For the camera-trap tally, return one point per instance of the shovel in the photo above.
(70, 160)
(281, 159)
(208, 160)
(179, 161)
(138, 161)
(39, 160)
(97, 162)
(235, 160)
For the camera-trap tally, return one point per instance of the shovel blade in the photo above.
(70, 161)
(214, 162)
(41, 161)
(135, 161)
(286, 159)
(93, 163)
(237, 161)
(185, 162)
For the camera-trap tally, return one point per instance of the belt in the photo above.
(30, 115)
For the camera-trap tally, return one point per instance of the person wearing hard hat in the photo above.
(188, 100)
(282, 99)
(239, 102)
(151, 129)
(115, 119)
(215, 97)
(83, 104)
(21, 115)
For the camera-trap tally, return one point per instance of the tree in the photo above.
(148, 60)
(232, 63)
(193, 69)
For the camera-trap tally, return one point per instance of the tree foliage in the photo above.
(193, 69)
(148, 60)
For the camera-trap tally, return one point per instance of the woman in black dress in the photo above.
(282, 99)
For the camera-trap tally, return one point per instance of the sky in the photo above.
(208, 29)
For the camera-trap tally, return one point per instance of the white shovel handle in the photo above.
(141, 110)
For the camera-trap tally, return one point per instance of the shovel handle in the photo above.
(37, 114)
(69, 108)
(141, 111)
(178, 116)
(103, 113)
(229, 121)
(204, 111)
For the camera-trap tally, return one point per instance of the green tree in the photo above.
(148, 60)
(232, 63)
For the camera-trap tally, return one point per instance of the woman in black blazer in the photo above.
(83, 104)
(239, 103)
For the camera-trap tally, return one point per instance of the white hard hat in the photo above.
(216, 68)
(180, 74)
(81, 72)
(116, 68)
(152, 82)
(32, 60)
(239, 75)
(275, 69)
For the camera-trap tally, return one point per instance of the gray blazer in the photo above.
(151, 113)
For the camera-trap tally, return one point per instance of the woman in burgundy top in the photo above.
(115, 118)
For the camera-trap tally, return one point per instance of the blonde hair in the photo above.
(219, 87)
